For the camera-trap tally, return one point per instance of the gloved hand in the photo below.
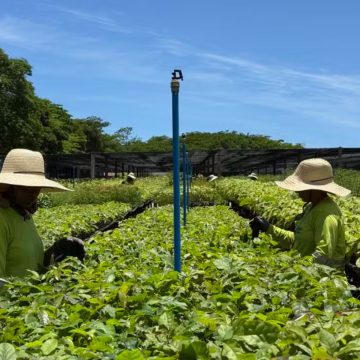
(258, 224)
(71, 246)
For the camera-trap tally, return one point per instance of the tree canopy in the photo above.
(29, 121)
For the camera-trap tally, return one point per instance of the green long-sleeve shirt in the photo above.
(20, 245)
(319, 232)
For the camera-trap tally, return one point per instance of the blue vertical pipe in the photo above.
(188, 172)
(175, 85)
(185, 194)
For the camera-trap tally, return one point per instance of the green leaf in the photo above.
(350, 348)
(130, 355)
(328, 340)
(165, 320)
(7, 352)
(49, 346)
(225, 332)
(297, 330)
(223, 264)
(197, 350)
(228, 353)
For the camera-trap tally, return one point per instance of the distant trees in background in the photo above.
(213, 141)
(38, 124)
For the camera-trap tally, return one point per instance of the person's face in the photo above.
(304, 195)
(26, 196)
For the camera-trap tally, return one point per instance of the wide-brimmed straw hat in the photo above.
(212, 177)
(131, 175)
(24, 167)
(253, 176)
(313, 174)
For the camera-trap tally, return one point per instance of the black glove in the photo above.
(258, 224)
(70, 246)
(353, 274)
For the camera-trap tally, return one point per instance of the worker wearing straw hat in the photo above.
(130, 178)
(22, 178)
(212, 178)
(319, 230)
(252, 176)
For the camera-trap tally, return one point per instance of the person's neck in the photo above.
(24, 212)
(317, 196)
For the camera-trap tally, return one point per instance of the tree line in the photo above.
(28, 121)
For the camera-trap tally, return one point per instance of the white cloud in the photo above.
(103, 21)
(24, 34)
(330, 98)
(172, 46)
(212, 79)
(34, 36)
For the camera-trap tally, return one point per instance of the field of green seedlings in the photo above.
(236, 297)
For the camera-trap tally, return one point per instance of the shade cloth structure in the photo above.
(220, 162)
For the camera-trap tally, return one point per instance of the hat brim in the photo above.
(32, 180)
(252, 177)
(213, 178)
(293, 183)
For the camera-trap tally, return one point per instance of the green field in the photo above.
(236, 298)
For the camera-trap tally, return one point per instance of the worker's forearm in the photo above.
(284, 238)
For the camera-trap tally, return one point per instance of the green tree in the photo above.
(124, 135)
(87, 135)
(56, 126)
(17, 127)
(196, 140)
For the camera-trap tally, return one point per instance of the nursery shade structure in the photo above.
(219, 162)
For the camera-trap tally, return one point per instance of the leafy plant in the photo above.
(234, 299)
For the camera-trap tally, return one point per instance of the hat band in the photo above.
(29, 172)
(328, 178)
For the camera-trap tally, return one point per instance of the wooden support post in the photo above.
(299, 157)
(106, 167)
(340, 163)
(218, 163)
(92, 165)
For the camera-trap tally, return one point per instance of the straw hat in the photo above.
(131, 175)
(26, 168)
(253, 176)
(212, 177)
(313, 174)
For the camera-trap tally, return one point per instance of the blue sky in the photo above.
(287, 69)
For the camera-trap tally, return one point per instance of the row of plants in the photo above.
(277, 205)
(93, 192)
(97, 191)
(349, 179)
(234, 299)
(76, 220)
(100, 191)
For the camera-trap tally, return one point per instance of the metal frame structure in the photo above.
(219, 162)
